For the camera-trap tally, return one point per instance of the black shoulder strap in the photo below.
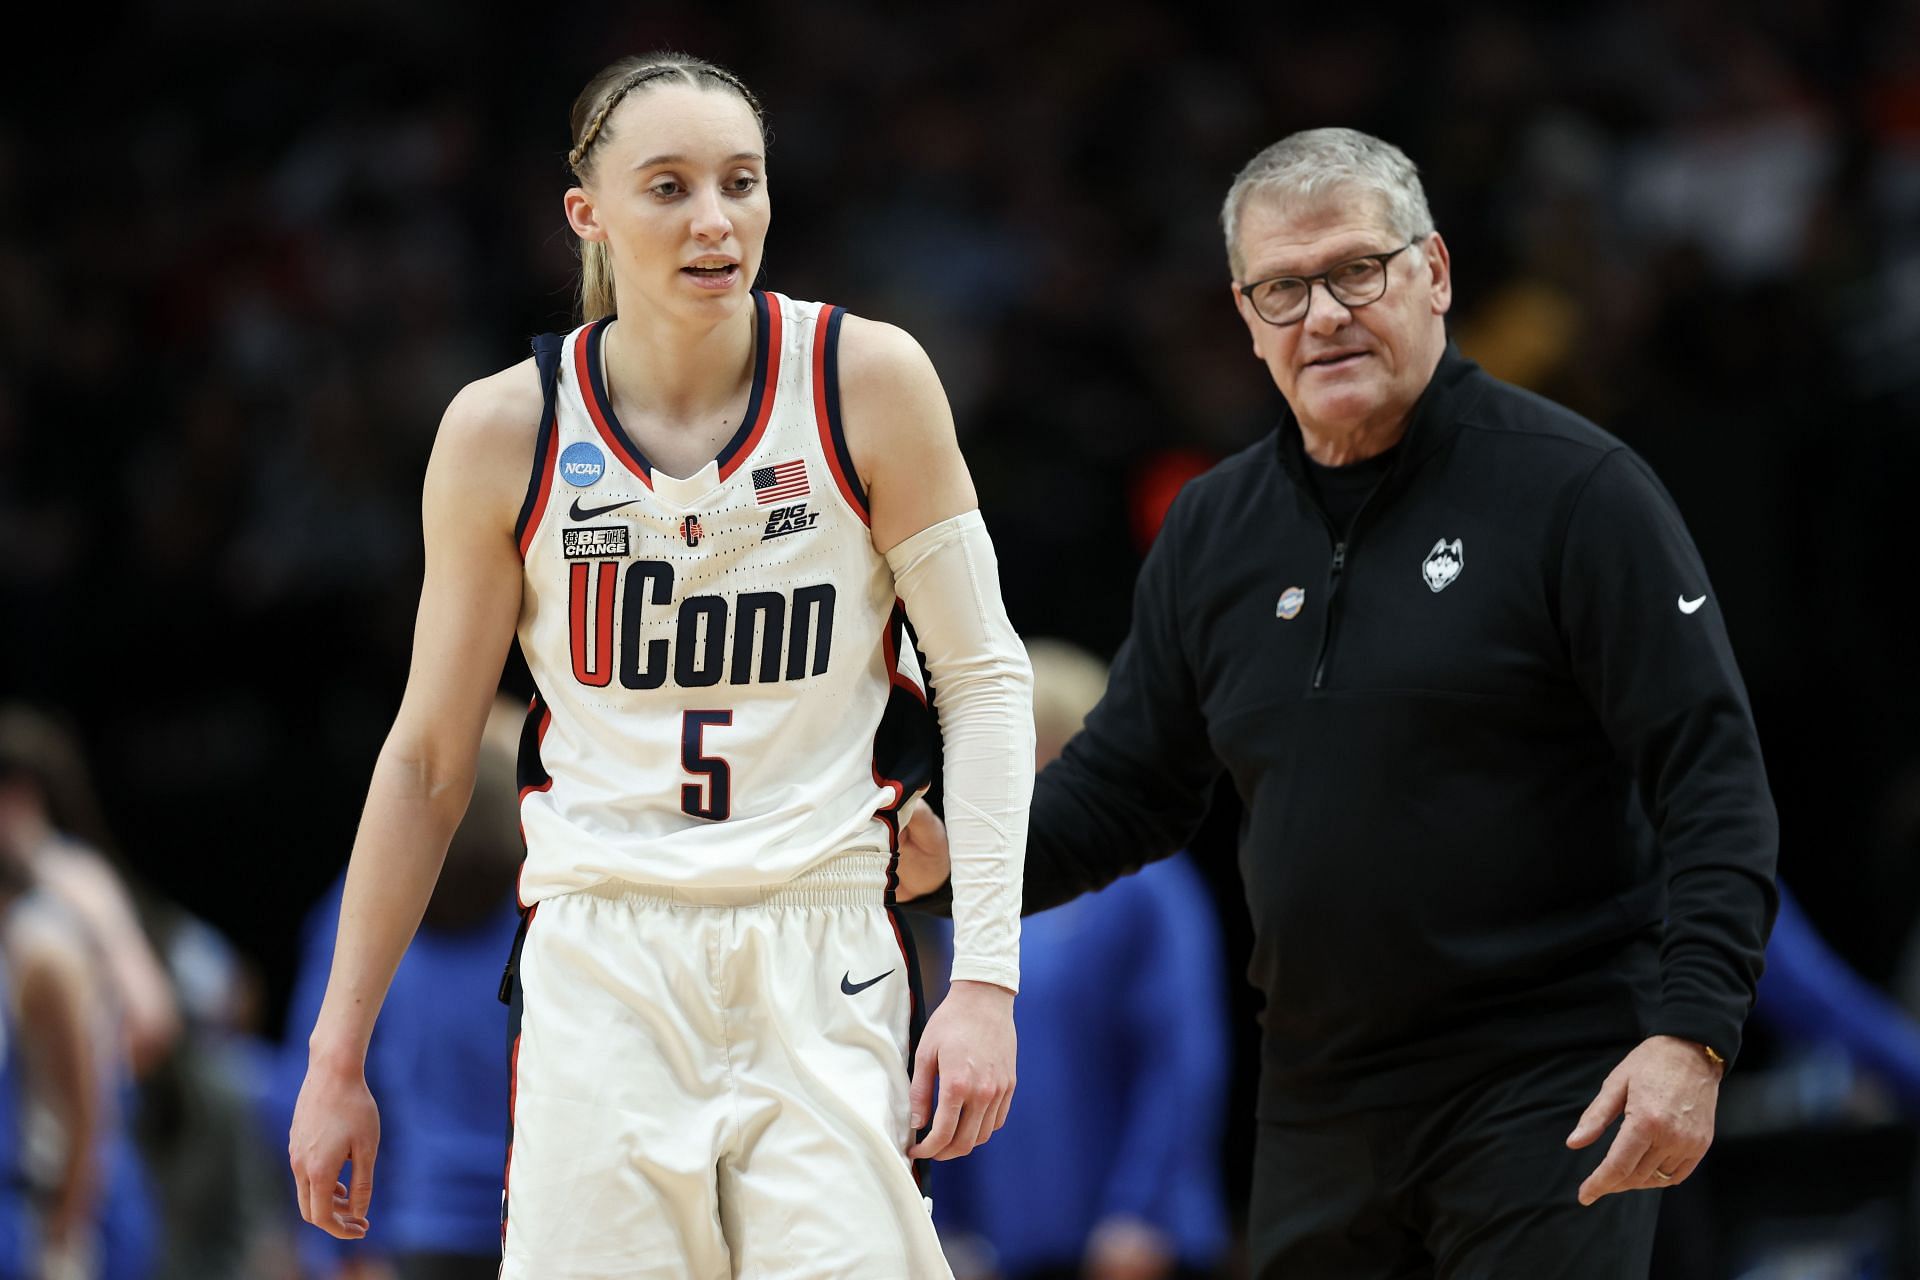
(546, 357)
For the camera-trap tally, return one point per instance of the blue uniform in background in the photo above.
(438, 1070)
(17, 1248)
(1810, 993)
(1123, 1079)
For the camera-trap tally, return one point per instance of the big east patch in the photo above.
(782, 521)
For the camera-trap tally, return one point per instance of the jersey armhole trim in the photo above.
(826, 411)
(531, 775)
(546, 356)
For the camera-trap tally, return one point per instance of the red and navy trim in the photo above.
(589, 376)
(906, 745)
(769, 336)
(515, 996)
(530, 773)
(589, 368)
(546, 444)
(826, 411)
(916, 1019)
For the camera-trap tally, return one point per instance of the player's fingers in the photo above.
(319, 1198)
(1600, 1113)
(342, 1223)
(920, 1094)
(300, 1195)
(360, 1195)
(946, 1118)
(967, 1132)
(970, 1132)
(1000, 1112)
(1629, 1145)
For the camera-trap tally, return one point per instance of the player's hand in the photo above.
(968, 1047)
(1125, 1248)
(923, 856)
(334, 1121)
(1667, 1089)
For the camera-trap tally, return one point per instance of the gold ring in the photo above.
(1664, 1177)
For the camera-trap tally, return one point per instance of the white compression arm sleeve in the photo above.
(949, 580)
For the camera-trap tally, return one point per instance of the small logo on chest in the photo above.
(582, 464)
(593, 544)
(1292, 600)
(782, 521)
(691, 531)
(1443, 564)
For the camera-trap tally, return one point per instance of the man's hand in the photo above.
(923, 856)
(968, 1047)
(334, 1121)
(1667, 1089)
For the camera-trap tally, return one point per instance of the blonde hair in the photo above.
(1067, 682)
(589, 121)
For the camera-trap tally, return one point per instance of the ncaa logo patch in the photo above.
(1443, 564)
(582, 464)
(1292, 600)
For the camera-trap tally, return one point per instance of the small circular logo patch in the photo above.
(1290, 604)
(582, 464)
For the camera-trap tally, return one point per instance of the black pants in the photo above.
(447, 1266)
(1477, 1187)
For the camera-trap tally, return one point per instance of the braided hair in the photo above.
(589, 118)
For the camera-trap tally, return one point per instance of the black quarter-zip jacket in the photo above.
(1502, 790)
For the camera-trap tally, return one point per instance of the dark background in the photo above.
(247, 254)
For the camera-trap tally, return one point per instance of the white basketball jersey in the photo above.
(715, 656)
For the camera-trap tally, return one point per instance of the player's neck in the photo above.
(666, 372)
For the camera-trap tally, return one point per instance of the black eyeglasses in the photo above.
(1283, 300)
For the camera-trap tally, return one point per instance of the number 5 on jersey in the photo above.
(718, 789)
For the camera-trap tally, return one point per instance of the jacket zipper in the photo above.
(1333, 593)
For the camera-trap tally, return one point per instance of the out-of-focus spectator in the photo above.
(1108, 1167)
(437, 1059)
(91, 1214)
(215, 1169)
(49, 812)
(18, 1239)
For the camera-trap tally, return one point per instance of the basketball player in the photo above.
(736, 500)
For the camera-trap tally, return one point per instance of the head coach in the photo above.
(1508, 844)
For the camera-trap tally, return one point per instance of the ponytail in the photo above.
(596, 281)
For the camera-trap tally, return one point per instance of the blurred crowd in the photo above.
(246, 259)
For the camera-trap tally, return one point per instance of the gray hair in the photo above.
(1305, 167)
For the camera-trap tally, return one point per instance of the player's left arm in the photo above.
(1648, 646)
(925, 519)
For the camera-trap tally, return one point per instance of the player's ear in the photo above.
(581, 216)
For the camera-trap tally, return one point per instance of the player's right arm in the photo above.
(469, 605)
(1134, 784)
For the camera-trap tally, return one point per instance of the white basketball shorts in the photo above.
(712, 1085)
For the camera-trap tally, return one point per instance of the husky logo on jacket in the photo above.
(1443, 564)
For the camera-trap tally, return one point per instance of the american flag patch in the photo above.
(780, 482)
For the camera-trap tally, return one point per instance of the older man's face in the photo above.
(1345, 369)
